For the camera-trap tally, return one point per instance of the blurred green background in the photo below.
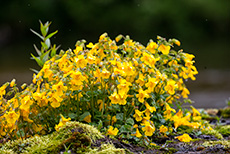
(202, 26)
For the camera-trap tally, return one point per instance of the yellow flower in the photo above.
(87, 118)
(114, 119)
(141, 95)
(112, 131)
(90, 45)
(2, 90)
(138, 134)
(57, 127)
(128, 68)
(12, 83)
(163, 129)
(148, 129)
(62, 122)
(111, 121)
(164, 49)
(177, 42)
(40, 98)
(141, 80)
(55, 100)
(138, 115)
(77, 49)
(149, 59)
(149, 109)
(37, 127)
(152, 82)
(77, 78)
(152, 47)
(168, 112)
(184, 138)
(185, 92)
(59, 88)
(26, 103)
(105, 73)
(91, 59)
(170, 87)
(123, 87)
(195, 112)
(80, 61)
(11, 117)
(122, 99)
(115, 98)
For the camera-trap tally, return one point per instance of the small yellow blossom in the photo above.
(12, 83)
(77, 49)
(164, 49)
(177, 42)
(148, 129)
(11, 117)
(115, 98)
(138, 115)
(105, 74)
(184, 138)
(163, 129)
(137, 134)
(170, 87)
(149, 109)
(62, 122)
(141, 95)
(90, 45)
(87, 118)
(112, 131)
(152, 47)
(55, 100)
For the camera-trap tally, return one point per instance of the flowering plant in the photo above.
(124, 88)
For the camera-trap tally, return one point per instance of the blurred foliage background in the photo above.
(202, 26)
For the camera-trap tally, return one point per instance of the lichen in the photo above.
(107, 148)
(224, 143)
(224, 130)
(75, 134)
(213, 132)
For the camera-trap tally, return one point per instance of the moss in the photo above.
(224, 143)
(224, 130)
(76, 135)
(107, 148)
(213, 132)
(225, 113)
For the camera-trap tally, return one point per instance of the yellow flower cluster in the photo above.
(127, 84)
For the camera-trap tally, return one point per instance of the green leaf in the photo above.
(119, 116)
(34, 70)
(130, 121)
(100, 125)
(37, 34)
(127, 127)
(47, 42)
(122, 129)
(39, 62)
(51, 34)
(44, 46)
(45, 56)
(83, 115)
(44, 29)
(72, 115)
(53, 51)
(36, 49)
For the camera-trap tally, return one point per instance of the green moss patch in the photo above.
(75, 136)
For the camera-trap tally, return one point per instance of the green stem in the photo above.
(92, 101)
